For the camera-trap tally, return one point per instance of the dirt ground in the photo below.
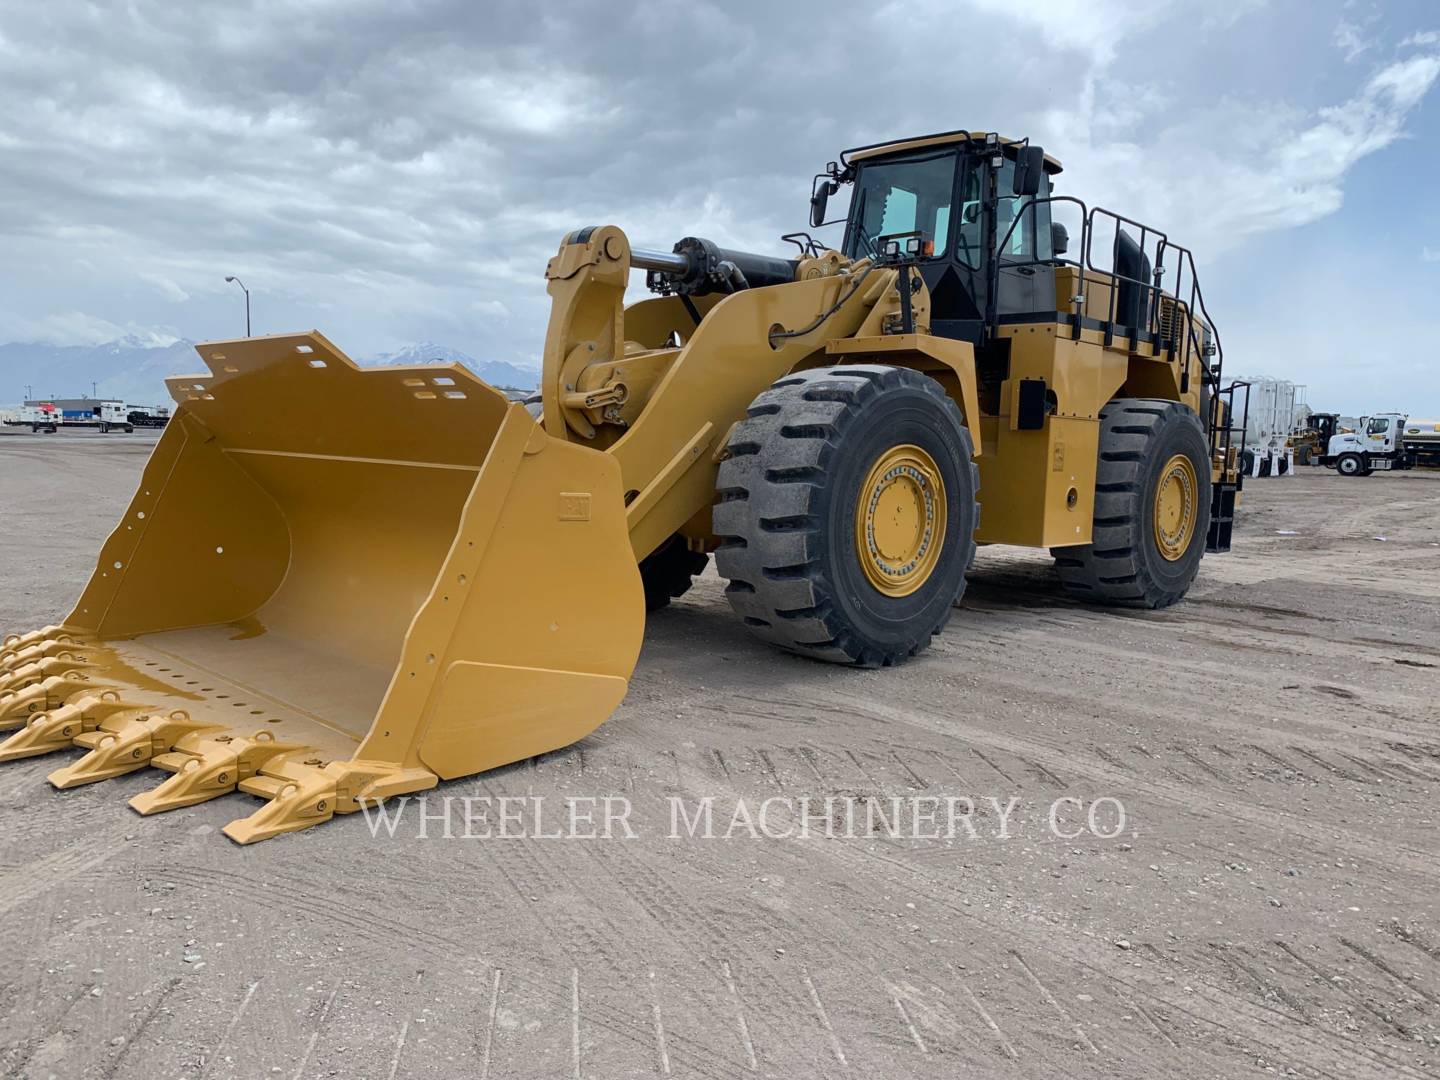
(1269, 907)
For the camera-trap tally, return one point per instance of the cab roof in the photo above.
(944, 138)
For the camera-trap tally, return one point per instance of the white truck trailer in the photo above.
(51, 416)
(1269, 409)
(1422, 440)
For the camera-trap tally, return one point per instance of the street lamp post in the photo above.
(246, 291)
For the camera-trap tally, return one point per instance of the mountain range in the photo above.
(497, 373)
(133, 369)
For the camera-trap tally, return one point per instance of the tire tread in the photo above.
(1110, 570)
(769, 532)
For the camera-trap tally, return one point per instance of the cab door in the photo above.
(1379, 435)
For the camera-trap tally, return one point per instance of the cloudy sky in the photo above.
(400, 170)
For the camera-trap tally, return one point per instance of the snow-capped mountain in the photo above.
(495, 372)
(423, 352)
(133, 369)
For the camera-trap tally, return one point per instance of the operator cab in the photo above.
(954, 198)
(1325, 425)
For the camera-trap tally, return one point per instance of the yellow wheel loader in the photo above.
(304, 606)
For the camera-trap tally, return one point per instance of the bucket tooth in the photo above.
(18, 641)
(18, 706)
(121, 746)
(10, 659)
(30, 674)
(57, 729)
(300, 796)
(206, 766)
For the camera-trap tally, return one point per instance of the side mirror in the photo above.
(1059, 239)
(1029, 168)
(823, 190)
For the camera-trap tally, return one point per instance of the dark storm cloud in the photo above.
(442, 147)
(392, 171)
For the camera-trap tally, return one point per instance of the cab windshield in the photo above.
(902, 197)
(916, 195)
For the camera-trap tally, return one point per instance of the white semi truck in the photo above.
(1377, 445)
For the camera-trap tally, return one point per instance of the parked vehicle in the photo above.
(1422, 441)
(51, 416)
(149, 417)
(1378, 445)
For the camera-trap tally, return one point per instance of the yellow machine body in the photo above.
(338, 584)
(1038, 487)
(335, 585)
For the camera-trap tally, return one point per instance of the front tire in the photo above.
(1350, 465)
(1152, 508)
(847, 513)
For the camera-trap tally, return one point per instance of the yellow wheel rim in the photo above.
(1176, 507)
(900, 520)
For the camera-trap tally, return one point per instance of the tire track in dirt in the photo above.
(1420, 863)
(1244, 703)
(442, 951)
(824, 937)
(1333, 982)
(23, 884)
(1225, 1011)
(1289, 1009)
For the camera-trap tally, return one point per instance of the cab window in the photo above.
(1029, 240)
(1378, 426)
(901, 197)
(968, 243)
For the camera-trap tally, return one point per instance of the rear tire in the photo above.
(668, 572)
(1140, 556)
(792, 521)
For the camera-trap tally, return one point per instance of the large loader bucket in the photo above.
(333, 585)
